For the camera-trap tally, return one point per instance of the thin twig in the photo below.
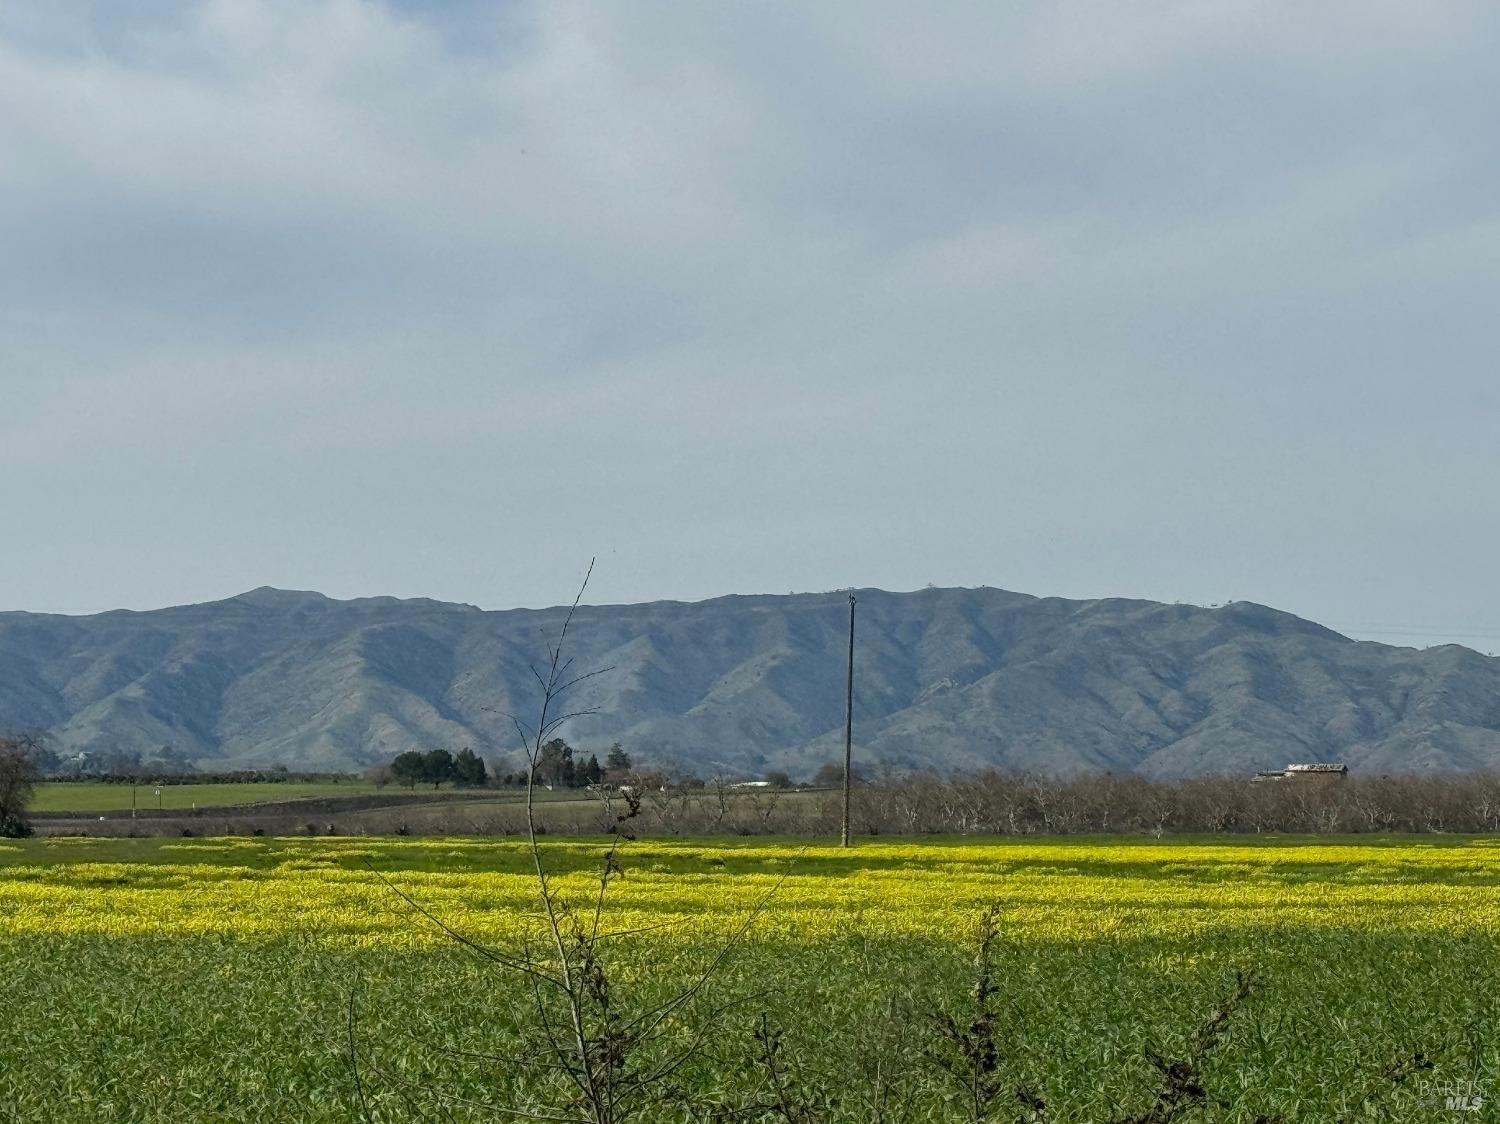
(359, 1085)
(468, 942)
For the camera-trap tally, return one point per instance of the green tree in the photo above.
(18, 778)
(617, 760)
(408, 768)
(469, 770)
(437, 767)
(554, 765)
(591, 772)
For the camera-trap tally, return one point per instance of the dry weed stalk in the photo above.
(970, 1049)
(1181, 1086)
(615, 1063)
(1396, 1072)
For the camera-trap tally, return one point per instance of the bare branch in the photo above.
(580, 678)
(664, 1011)
(468, 942)
(359, 1085)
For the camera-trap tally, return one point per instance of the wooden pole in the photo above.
(848, 732)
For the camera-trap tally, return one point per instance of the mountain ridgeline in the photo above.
(945, 679)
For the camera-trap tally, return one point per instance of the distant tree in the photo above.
(437, 767)
(379, 775)
(554, 766)
(777, 779)
(650, 780)
(18, 777)
(408, 768)
(469, 770)
(830, 775)
(590, 772)
(617, 760)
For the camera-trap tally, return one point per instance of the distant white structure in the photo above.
(751, 784)
(1318, 770)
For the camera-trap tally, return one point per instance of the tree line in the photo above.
(998, 803)
(558, 766)
(987, 803)
(436, 767)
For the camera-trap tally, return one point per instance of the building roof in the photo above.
(1318, 767)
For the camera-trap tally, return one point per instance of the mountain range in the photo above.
(945, 679)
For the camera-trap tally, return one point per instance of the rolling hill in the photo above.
(945, 679)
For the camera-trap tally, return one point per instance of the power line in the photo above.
(848, 732)
(1417, 630)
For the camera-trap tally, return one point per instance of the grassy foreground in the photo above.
(195, 979)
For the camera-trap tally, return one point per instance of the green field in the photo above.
(98, 796)
(209, 979)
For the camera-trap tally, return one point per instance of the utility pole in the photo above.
(848, 732)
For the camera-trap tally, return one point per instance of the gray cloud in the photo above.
(442, 299)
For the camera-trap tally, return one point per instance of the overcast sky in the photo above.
(1190, 301)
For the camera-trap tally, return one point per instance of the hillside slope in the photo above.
(946, 679)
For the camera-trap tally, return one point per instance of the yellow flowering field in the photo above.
(341, 890)
(207, 978)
